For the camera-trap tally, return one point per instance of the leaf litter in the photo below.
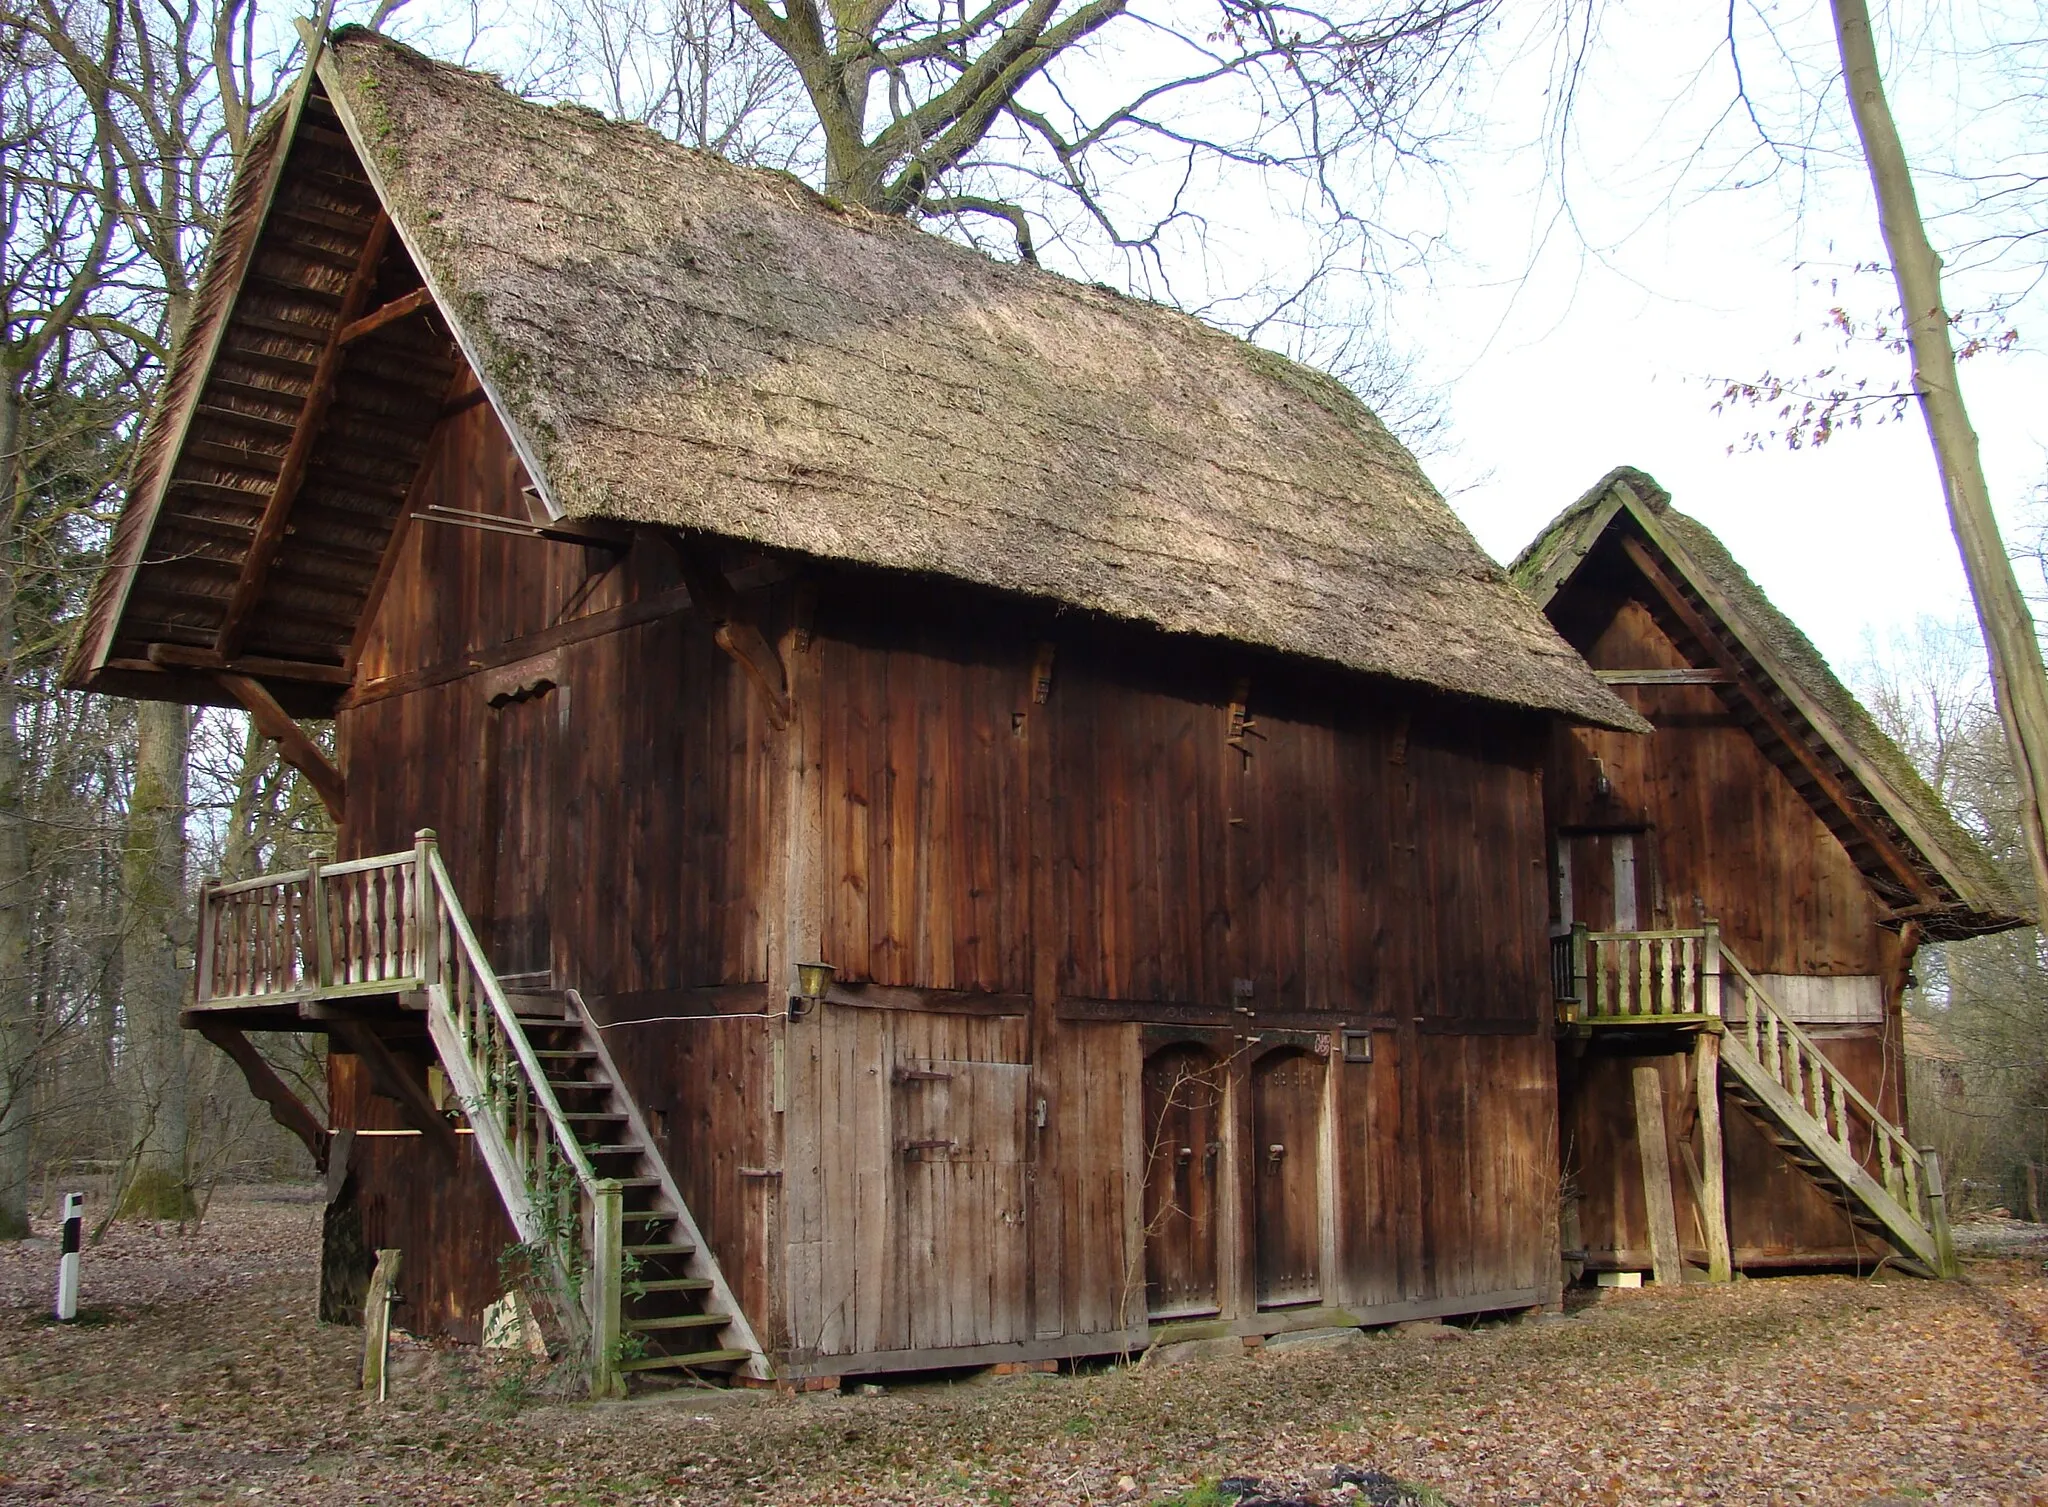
(202, 1376)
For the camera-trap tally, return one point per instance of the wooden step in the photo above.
(661, 1248)
(590, 1115)
(607, 1148)
(566, 1054)
(671, 1284)
(650, 1216)
(682, 1321)
(684, 1362)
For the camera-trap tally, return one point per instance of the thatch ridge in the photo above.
(676, 340)
(1789, 653)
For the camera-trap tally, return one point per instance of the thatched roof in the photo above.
(673, 340)
(1970, 893)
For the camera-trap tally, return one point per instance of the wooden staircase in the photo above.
(363, 949)
(1770, 1068)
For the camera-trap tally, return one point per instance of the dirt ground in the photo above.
(199, 1374)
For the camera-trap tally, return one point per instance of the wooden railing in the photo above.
(1646, 976)
(393, 925)
(327, 929)
(1838, 1110)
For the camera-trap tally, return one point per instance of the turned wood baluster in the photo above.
(1642, 1000)
(1909, 1174)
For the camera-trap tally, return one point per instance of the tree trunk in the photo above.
(2017, 677)
(153, 881)
(17, 1018)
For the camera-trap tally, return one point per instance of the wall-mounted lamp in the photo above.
(1602, 786)
(812, 980)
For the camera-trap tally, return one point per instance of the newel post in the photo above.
(202, 960)
(1581, 967)
(607, 1275)
(426, 908)
(1937, 1213)
(323, 933)
(1710, 969)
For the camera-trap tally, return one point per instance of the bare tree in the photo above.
(2017, 674)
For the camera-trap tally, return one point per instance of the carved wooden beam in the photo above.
(392, 1079)
(269, 535)
(285, 1106)
(733, 631)
(293, 746)
(1767, 711)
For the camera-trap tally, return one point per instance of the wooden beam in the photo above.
(1887, 851)
(733, 631)
(293, 746)
(391, 313)
(1667, 1267)
(269, 535)
(1706, 1077)
(389, 1077)
(285, 1106)
(1662, 677)
(187, 657)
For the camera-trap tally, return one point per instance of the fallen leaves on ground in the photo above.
(201, 1375)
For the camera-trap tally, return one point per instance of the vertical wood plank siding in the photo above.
(1720, 832)
(1364, 855)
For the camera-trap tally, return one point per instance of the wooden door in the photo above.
(1607, 880)
(1287, 1119)
(958, 1227)
(518, 836)
(1183, 1140)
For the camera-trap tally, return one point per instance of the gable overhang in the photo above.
(276, 476)
(1907, 865)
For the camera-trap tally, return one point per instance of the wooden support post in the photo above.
(732, 630)
(316, 917)
(1706, 1080)
(1937, 1213)
(1667, 1267)
(1710, 975)
(377, 1321)
(607, 1281)
(426, 904)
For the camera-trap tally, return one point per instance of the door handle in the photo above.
(1187, 1154)
(1275, 1151)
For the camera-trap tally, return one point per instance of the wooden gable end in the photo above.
(1627, 569)
(278, 466)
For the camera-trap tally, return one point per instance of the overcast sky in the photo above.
(1567, 352)
(1579, 322)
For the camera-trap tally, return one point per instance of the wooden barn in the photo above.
(1737, 900)
(709, 581)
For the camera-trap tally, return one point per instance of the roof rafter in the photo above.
(270, 528)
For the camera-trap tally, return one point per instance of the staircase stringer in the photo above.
(701, 1262)
(499, 1160)
(1902, 1228)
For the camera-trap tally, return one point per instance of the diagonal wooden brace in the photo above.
(285, 1106)
(293, 746)
(390, 1077)
(734, 632)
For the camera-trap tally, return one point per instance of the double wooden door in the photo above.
(520, 755)
(1186, 1128)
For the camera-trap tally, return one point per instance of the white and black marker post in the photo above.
(67, 1264)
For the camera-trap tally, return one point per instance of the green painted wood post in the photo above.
(1580, 960)
(1937, 1210)
(607, 1280)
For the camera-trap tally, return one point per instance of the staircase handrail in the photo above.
(570, 1149)
(1838, 1081)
